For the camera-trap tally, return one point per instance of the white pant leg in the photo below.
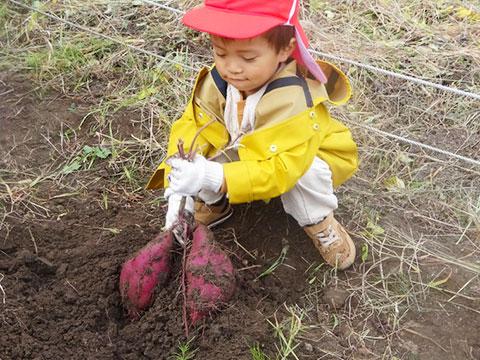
(312, 197)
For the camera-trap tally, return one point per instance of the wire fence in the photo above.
(359, 64)
(369, 67)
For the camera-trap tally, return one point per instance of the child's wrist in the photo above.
(213, 179)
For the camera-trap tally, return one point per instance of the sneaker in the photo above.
(213, 214)
(333, 242)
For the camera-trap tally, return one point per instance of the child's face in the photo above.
(248, 64)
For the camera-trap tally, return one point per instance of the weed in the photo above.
(60, 59)
(186, 353)
(257, 353)
(287, 331)
(87, 157)
(279, 261)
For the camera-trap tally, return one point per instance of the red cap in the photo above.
(243, 19)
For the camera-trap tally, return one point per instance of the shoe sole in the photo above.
(221, 220)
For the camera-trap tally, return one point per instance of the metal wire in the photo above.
(413, 142)
(384, 133)
(401, 76)
(359, 64)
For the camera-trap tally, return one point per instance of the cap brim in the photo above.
(228, 23)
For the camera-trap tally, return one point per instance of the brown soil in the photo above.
(61, 256)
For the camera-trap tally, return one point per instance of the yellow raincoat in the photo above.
(292, 127)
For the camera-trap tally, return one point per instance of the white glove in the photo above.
(174, 200)
(189, 177)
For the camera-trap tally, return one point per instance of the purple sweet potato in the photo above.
(148, 269)
(210, 278)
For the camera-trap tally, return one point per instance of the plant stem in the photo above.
(184, 291)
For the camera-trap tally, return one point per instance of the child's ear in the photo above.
(287, 50)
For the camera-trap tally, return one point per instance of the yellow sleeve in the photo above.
(184, 128)
(249, 180)
(339, 151)
(273, 159)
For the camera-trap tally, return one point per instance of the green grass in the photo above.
(258, 354)
(279, 261)
(288, 331)
(185, 351)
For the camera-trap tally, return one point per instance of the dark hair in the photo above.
(278, 37)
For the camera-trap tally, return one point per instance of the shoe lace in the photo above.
(327, 239)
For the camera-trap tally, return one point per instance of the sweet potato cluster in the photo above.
(210, 280)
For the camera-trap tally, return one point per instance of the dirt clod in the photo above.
(335, 297)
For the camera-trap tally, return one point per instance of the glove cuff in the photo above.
(213, 179)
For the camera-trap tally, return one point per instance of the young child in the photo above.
(272, 134)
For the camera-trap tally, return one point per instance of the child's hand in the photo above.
(174, 201)
(189, 177)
